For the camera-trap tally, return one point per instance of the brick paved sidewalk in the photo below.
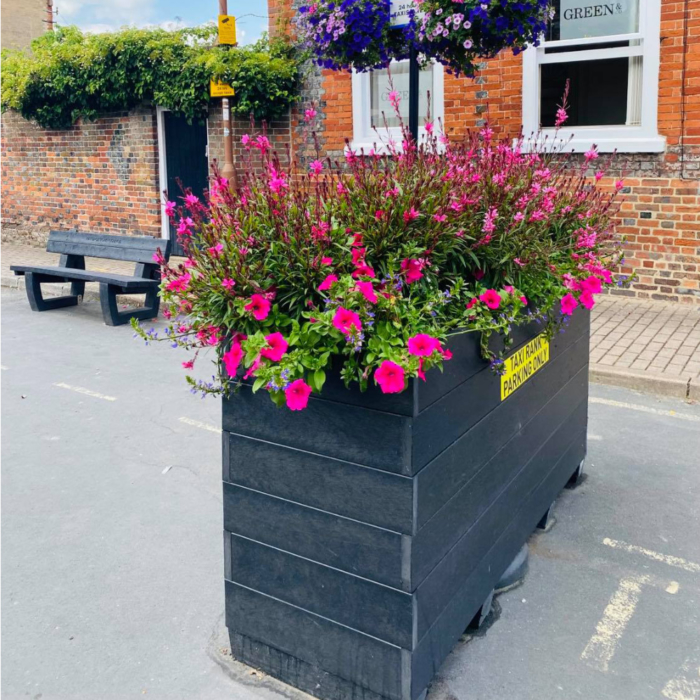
(646, 345)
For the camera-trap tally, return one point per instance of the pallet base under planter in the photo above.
(363, 535)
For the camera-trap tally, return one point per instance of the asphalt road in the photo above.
(112, 540)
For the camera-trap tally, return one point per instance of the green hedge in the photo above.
(70, 75)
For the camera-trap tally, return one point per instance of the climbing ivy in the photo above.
(69, 75)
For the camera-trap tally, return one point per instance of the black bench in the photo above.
(73, 247)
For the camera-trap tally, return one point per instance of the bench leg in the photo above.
(114, 317)
(33, 282)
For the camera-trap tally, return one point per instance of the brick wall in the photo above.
(661, 217)
(99, 176)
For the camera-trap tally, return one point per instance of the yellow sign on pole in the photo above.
(217, 89)
(227, 29)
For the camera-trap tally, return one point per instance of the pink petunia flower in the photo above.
(276, 347)
(297, 395)
(568, 304)
(216, 250)
(345, 320)
(258, 306)
(472, 303)
(232, 358)
(491, 298)
(367, 291)
(423, 345)
(326, 261)
(390, 377)
(188, 365)
(587, 299)
(523, 299)
(327, 283)
(412, 268)
(592, 285)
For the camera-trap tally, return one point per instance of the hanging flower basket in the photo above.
(358, 33)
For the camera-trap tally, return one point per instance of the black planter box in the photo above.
(363, 534)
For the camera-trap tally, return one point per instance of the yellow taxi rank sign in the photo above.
(217, 89)
(523, 363)
(227, 29)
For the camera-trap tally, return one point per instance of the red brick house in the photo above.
(634, 68)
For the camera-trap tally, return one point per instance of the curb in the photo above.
(647, 382)
(63, 288)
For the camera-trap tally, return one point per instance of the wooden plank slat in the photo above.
(68, 273)
(348, 545)
(370, 495)
(381, 611)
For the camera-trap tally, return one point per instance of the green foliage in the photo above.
(70, 75)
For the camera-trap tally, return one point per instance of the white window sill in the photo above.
(581, 141)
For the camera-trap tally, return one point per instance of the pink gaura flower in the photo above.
(412, 268)
(170, 209)
(263, 144)
(568, 304)
(316, 166)
(440, 218)
(367, 291)
(519, 262)
(327, 283)
(185, 226)
(619, 184)
(179, 284)
(258, 306)
(394, 99)
(216, 250)
(410, 215)
(191, 200)
(491, 298)
(429, 127)
(276, 347)
(232, 358)
(188, 365)
(246, 140)
(591, 155)
(228, 284)
(297, 395)
(345, 321)
(423, 345)
(379, 214)
(390, 377)
(310, 114)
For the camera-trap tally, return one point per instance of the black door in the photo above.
(185, 160)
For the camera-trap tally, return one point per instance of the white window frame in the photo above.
(642, 138)
(365, 137)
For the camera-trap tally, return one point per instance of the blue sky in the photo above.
(107, 15)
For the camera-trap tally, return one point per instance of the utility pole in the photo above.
(228, 171)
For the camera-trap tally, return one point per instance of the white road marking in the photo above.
(593, 436)
(679, 563)
(609, 630)
(686, 683)
(3, 367)
(672, 587)
(199, 424)
(87, 392)
(645, 409)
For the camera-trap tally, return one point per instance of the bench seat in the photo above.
(74, 247)
(70, 273)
